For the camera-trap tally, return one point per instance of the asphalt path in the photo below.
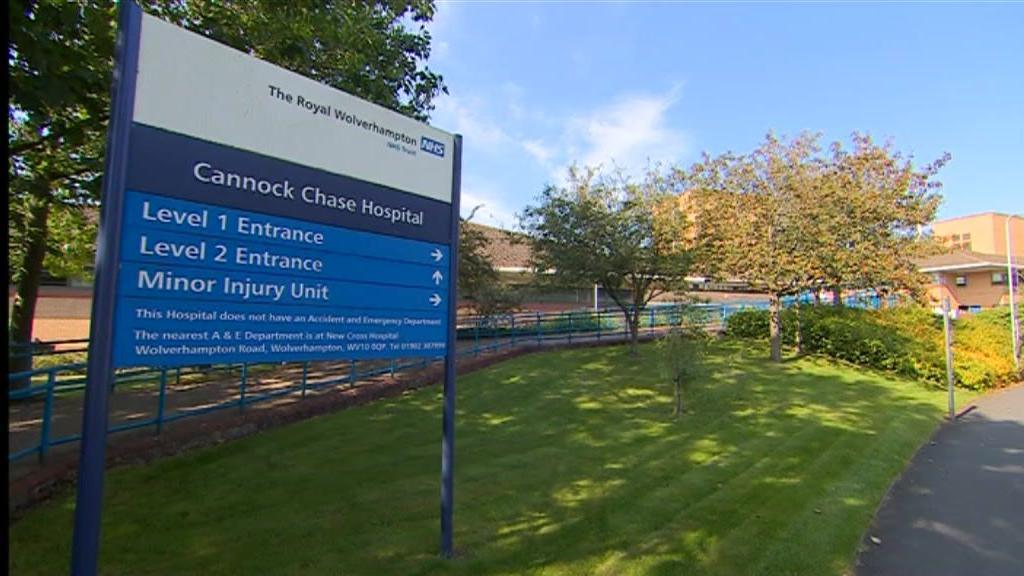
(958, 509)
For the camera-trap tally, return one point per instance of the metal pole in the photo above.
(85, 544)
(948, 329)
(161, 402)
(242, 386)
(595, 297)
(305, 376)
(448, 416)
(1010, 277)
(44, 440)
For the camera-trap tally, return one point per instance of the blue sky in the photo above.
(536, 86)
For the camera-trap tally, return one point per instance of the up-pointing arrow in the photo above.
(437, 255)
(437, 276)
(435, 299)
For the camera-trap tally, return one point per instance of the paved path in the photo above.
(958, 509)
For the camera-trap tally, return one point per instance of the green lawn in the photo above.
(567, 463)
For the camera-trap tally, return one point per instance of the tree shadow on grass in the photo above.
(565, 462)
(628, 486)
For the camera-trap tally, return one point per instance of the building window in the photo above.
(958, 241)
(998, 278)
(961, 280)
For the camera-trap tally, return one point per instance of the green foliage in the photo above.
(478, 280)
(983, 348)
(682, 350)
(611, 231)
(493, 298)
(752, 324)
(71, 238)
(907, 340)
(788, 218)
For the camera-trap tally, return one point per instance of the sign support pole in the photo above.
(950, 378)
(448, 417)
(92, 457)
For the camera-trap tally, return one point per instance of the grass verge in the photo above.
(567, 463)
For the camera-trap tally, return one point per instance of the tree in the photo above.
(683, 350)
(755, 219)
(478, 280)
(608, 230)
(60, 56)
(873, 203)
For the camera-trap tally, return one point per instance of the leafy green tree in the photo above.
(60, 57)
(479, 281)
(475, 268)
(754, 217)
(611, 231)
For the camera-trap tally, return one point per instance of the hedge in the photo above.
(907, 340)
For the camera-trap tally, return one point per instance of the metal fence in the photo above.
(55, 391)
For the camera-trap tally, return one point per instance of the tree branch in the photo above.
(18, 149)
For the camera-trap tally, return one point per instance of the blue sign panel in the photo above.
(201, 284)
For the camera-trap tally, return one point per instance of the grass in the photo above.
(567, 463)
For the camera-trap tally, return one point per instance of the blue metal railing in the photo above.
(475, 336)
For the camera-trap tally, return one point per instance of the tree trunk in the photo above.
(634, 332)
(678, 409)
(798, 336)
(837, 296)
(29, 274)
(775, 327)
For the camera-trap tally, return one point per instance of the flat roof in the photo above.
(975, 215)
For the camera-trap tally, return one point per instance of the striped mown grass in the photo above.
(567, 463)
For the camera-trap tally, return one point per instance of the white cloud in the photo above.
(467, 118)
(492, 211)
(540, 152)
(628, 133)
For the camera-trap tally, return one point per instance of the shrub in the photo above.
(907, 340)
(751, 324)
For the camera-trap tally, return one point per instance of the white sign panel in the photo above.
(191, 85)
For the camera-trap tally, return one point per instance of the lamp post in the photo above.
(1011, 276)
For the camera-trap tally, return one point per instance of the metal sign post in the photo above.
(950, 377)
(253, 215)
(448, 417)
(85, 542)
(1011, 277)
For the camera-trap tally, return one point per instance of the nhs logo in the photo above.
(432, 146)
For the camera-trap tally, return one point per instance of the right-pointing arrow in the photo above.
(437, 255)
(435, 299)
